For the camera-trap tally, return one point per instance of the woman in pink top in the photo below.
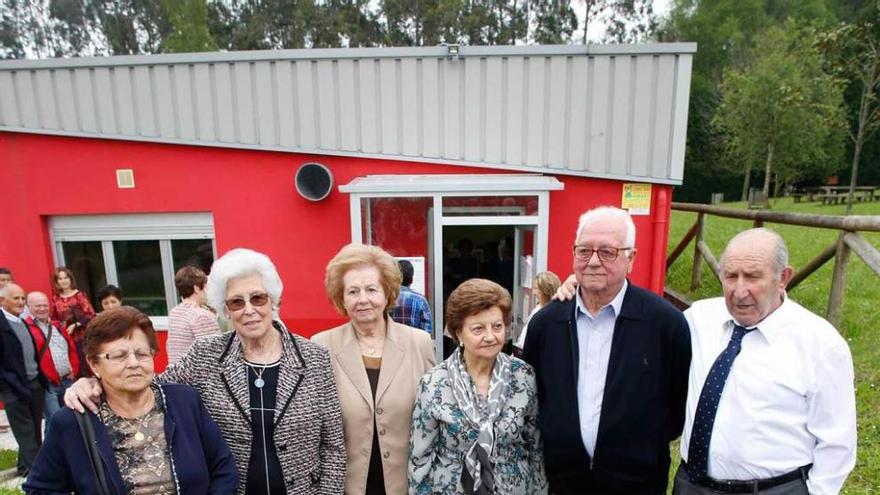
(189, 320)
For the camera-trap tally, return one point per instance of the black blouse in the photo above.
(264, 474)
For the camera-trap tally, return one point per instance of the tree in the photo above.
(554, 21)
(856, 52)
(783, 111)
(625, 21)
(724, 31)
(189, 19)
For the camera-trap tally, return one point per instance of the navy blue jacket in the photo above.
(12, 372)
(202, 462)
(642, 407)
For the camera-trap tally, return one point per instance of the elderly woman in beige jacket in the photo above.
(377, 363)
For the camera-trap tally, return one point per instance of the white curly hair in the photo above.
(242, 262)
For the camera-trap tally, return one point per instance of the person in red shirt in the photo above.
(56, 352)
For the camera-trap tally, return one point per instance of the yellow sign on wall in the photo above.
(636, 198)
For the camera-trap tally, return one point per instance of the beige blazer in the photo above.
(408, 354)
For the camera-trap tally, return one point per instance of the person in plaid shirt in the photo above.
(412, 308)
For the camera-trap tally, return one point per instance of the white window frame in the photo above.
(438, 187)
(161, 227)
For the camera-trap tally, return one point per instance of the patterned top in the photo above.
(412, 309)
(140, 448)
(186, 323)
(441, 437)
(71, 309)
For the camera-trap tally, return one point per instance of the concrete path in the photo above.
(8, 479)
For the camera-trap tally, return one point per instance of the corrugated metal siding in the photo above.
(617, 112)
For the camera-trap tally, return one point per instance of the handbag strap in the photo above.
(87, 429)
(46, 344)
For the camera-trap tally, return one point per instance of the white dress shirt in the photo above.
(789, 400)
(594, 334)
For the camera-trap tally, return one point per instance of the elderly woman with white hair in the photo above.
(271, 392)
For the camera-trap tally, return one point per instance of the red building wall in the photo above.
(254, 204)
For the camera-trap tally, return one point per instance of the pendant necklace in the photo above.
(138, 425)
(368, 349)
(259, 382)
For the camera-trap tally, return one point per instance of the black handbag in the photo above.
(87, 429)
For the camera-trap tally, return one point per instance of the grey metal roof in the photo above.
(616, 111)
(452, 183)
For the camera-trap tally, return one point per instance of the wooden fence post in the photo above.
(697, 269)
(838, 282)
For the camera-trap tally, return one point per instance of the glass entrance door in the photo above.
(462, 226)
(504, 254)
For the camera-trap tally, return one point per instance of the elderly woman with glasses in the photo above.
(270, 391)
(378, 363)
(151, 438)
(474, 427)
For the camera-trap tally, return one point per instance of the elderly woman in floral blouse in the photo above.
(474, 425)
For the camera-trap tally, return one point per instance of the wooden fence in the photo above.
(848, 241)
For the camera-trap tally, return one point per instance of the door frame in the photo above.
(438, 187)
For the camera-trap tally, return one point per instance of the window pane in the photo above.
(139, 269)
(401, 227)
(193, 252)
(86, 260)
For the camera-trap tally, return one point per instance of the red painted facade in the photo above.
(254, 204)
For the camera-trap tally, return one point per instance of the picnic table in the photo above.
(836, 194)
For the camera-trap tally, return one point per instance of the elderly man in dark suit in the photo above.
(21, 383)
(612, 370)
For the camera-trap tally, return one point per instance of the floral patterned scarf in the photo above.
(481, 414)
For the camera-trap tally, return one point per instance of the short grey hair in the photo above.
(241, 262)
(590, 216)
(780, 251)
(4, 292)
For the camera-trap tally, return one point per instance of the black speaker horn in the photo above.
(313, 181)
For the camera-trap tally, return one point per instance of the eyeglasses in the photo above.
(121, 356)
(238, 303)
(607, 254)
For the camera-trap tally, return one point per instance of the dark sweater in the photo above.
(643, 403)
(202, 462)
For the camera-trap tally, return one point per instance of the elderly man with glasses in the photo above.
(612, 369)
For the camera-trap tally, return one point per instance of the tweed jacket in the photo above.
(408, 354)
(308, 421)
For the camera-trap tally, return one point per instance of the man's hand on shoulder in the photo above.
(567, 290)
(85, 393)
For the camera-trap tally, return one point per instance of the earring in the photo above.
(461, 344)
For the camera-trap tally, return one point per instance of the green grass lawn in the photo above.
(8, 459)
(861, 316)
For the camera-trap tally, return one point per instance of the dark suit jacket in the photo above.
(202, 462)
(643, 406)
(12, 371)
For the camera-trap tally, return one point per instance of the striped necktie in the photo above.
(710, 396)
